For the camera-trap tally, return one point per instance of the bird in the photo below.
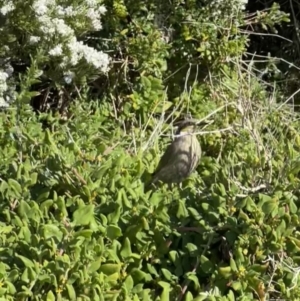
(180, 158)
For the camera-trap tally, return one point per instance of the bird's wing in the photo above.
(195, 151)
(167, 157)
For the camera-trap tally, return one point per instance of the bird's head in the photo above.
(185, 127)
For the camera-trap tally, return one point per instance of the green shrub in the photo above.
(75, 221)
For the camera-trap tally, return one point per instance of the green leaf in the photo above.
(113, 232)
(236, 285)
(26, 261)
(231, 296)
(270, 207)
(167, 274)
(206, 264)
(140, 276)
(126, 248)
(225, 272)
(194, 213)
(293, 207)
(182, 212)
(193, 249)
(51, 230)
(24, 209)
(84, 215)
(188, 296)
(192, 276)
(50, 296)
(86, 233)
(45, 206)
(129, 283)
(15, 186)
(10, 288)
(110, 268)
(33, 178)
(24, 276)
(71, 292)
(151, 269)
(114, 217)
(233, 265)
(95, 265)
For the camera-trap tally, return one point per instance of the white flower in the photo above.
(102, 10)
(7, 8)
(98, 59)
(60, 10)
(62, 28)
(56, 51)
(3, 103)
(34, 39)
(70, 12)
(95, 18)
(9, 70)
(39, 8)
(3, 76)
(91, 3)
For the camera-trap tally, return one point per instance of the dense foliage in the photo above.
(89, 92)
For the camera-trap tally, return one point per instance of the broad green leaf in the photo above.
(33, 178)
(24, 276)
(95, 265)
(182, 212)
(46, 205)
(113, 278)
(236, 285)
(167, 274)
(129, 283)
(151, 269)
(231, 296)
(270, 206)
(113, 232)
(164, 284)
(26, 261)
(206, 264)
(50, 296)
(233, 265)
(71, 292)
(126, 248)
(50, 230)
(113, 218)
(192, 276)
(24, 209)
(188, 296)
(194, 213)
(110, 268)
(87, 233)
(83, 215)
(15, 186)
(293, 207)
(193, 249)
(174, 256)
(138, 275)
(225, 272)
(10, 288)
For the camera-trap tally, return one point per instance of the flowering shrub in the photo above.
(52, 33)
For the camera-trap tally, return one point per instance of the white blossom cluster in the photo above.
(7, 7)
(56, 30)
(7, 93)
(221, 7)
(69, 49)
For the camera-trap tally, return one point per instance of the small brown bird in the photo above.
(181, 156)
